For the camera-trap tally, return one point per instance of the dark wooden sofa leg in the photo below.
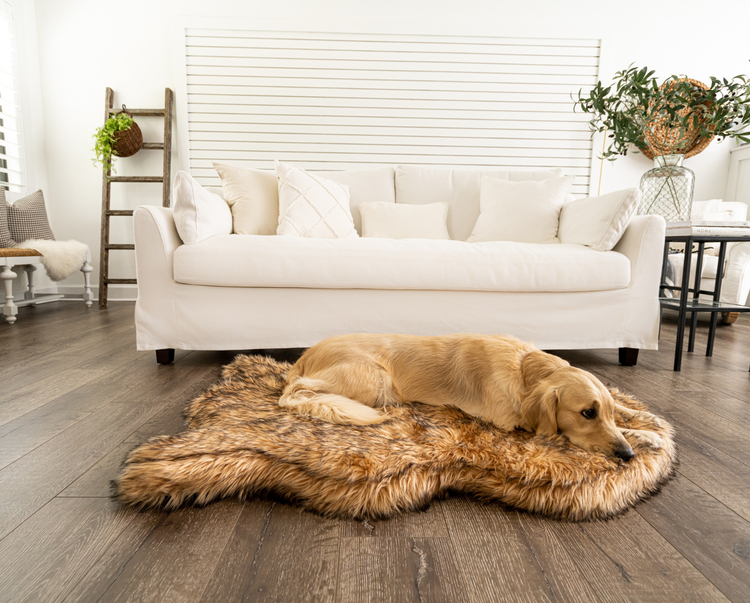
(167, 356)
(628, 356)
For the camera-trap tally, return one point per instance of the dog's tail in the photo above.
(309, 397)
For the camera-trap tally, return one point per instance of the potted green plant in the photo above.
(666, 121)
(120, 136)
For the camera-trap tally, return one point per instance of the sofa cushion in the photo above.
(253, 197)
(27, 219)
(708, 270)
(458, 188)
(311, 206)
(365, 186)
(524, 212)
(198, 213)
(5, 239)
(404, 221)
(373, 263)
(598, 222)
(253, 194)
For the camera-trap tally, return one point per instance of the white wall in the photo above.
(86, 45)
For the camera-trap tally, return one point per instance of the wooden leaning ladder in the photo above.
(107, 180)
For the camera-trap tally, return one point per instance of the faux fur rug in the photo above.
(59, 258)
(239, 442)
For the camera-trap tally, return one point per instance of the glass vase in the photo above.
(667, 189)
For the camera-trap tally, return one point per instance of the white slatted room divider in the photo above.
(333, 101)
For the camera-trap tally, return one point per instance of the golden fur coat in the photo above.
(240, 443)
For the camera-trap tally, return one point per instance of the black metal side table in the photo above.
(686, 305)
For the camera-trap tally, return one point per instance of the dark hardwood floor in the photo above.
(75, 397)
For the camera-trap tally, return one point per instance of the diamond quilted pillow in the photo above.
(311, 206)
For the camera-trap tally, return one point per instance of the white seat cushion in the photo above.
(708, 271)
(362, 263)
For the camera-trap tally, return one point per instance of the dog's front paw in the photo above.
(649, 438)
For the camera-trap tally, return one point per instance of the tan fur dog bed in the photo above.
(240, 442)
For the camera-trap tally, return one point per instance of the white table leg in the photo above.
(30, 268)
(88, 297)
(9, 309)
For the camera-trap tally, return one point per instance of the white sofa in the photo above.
(239, 292)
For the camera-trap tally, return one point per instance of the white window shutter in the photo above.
(11, 156)
(335, 101)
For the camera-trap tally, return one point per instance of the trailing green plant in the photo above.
(636, 104)
(105, 136)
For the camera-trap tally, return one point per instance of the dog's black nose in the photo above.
(625, 453)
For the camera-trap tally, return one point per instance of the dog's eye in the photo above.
(589, 413)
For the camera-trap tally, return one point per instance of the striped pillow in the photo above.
(27, 219)
(5, 239)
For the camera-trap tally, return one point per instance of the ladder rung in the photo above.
(118, 246)
(153, 145)
(136, 179)
(119, 212)
(143, 112)
(121, 281)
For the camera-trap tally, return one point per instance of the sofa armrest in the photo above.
(643, 244)
(156, 240)
(735, 286)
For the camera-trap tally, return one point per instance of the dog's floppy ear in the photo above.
(540, 410)
(538, 365)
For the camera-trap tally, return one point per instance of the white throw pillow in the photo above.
(524, 212)
(198, 214)
(253, 197)
(456, 187)
(400, 221)
(598, 222)
(365, 186)
(313, 207)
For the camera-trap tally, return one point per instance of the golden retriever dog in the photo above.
(351, 379)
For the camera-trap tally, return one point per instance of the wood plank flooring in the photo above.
(75, 397)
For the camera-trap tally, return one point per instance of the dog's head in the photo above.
(575, 403)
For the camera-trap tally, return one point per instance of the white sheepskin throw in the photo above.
(59, 258)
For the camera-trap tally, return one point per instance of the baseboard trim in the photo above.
(116, 293)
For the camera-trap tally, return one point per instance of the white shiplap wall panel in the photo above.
(331, 101)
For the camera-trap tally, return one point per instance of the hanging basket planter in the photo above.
(127, 142)
(679, 142)
(120, 136)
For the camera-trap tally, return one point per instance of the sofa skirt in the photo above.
(194, 317)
